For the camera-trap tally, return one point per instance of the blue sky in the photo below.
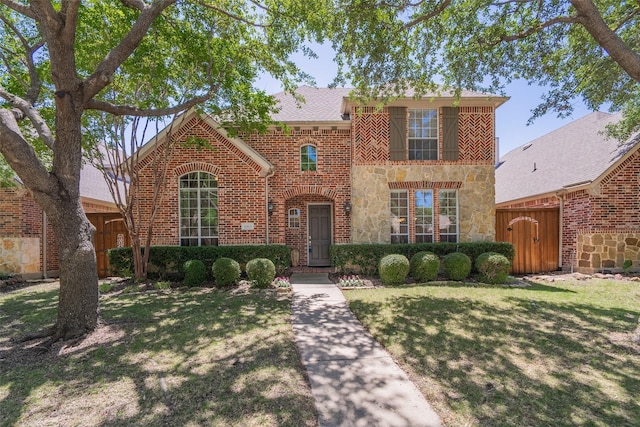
(511, 117)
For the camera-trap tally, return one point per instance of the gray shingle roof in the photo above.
(319, 105)
(576, 153)
(325, 104)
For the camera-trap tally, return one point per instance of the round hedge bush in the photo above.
(195, 273)
(261, 271)
(424, 266)
(493, 267)
(393, 269)
(226, 272)
(456, 266)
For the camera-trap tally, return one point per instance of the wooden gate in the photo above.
(110, 233)
(535, 235)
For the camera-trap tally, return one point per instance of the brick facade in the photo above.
(607, 213)
(21, 222)
(350, 155)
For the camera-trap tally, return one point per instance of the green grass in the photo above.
(546, 355)
(175, 358)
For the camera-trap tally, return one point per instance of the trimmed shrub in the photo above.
(424, 266)
(393, 269)
(226, 272)
(456, 266)
(493, 267)
(261, 271)
(364, 258)
(195, 273)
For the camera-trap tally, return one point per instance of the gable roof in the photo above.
(572, 156)
(329, 104)
(265, 166)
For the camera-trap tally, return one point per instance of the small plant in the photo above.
(162, 285)
(424, 266)
(281, 282)
(393, 269)
(351, 281)
(131, 289)
(105, 287)
(195, 273)
(627, 265)
(493, 267)
(456, 266)
(226, 272)
(5, 276)
(261, 271)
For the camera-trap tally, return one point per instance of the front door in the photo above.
(319, 235)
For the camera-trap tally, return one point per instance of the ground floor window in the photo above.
(198, 209)
(433, 213)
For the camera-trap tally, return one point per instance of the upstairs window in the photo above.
(308, 158)
(198, 209)
(423, 134)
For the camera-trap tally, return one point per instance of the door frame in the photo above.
(330, 204)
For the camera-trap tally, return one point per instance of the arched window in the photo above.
(198, 209)
(308, 158)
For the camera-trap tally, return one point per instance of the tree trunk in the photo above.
(78, 304)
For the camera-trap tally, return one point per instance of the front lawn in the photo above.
(175, 358)
(547, 355)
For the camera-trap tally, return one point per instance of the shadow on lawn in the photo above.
(534, 363)
(164, 359)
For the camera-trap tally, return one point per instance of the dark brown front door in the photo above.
(319, 235)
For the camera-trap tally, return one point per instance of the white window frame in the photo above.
(423, 220)
(294, 218)
(198, 234)
(449, 215)
(399, 216)
(423, 133)
(315, 153)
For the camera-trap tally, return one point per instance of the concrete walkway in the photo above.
(354, 381)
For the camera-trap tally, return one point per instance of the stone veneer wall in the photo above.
(370, 219)
(19, 255)
(607, 250)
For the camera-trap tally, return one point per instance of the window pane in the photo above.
(448, 215)
(423, 134)
(308, 158)
(424, 216)
(198, 209)
(294, 218)
(399, 202)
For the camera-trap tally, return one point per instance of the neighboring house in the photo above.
(411, 171)
(591, 181)
(24, 249)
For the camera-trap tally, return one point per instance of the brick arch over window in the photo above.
(310, 189)
(196, 166)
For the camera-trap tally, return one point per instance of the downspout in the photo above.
(44, 244)
(266, 201)
(560, 230)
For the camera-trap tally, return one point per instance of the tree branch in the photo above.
(32, 113)
(437, 11)
(19, 7)
(591, 19)
(126, 110)
(33, 89)
(134, 4)
(104, 72)
(533, 30)
(21, 156)
(235, 17)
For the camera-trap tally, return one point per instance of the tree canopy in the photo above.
(67, 65)
(575, 48)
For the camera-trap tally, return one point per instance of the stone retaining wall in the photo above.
(607, 250)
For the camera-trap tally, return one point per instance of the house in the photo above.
(415, 170)
(592, 183)
(28, 252)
